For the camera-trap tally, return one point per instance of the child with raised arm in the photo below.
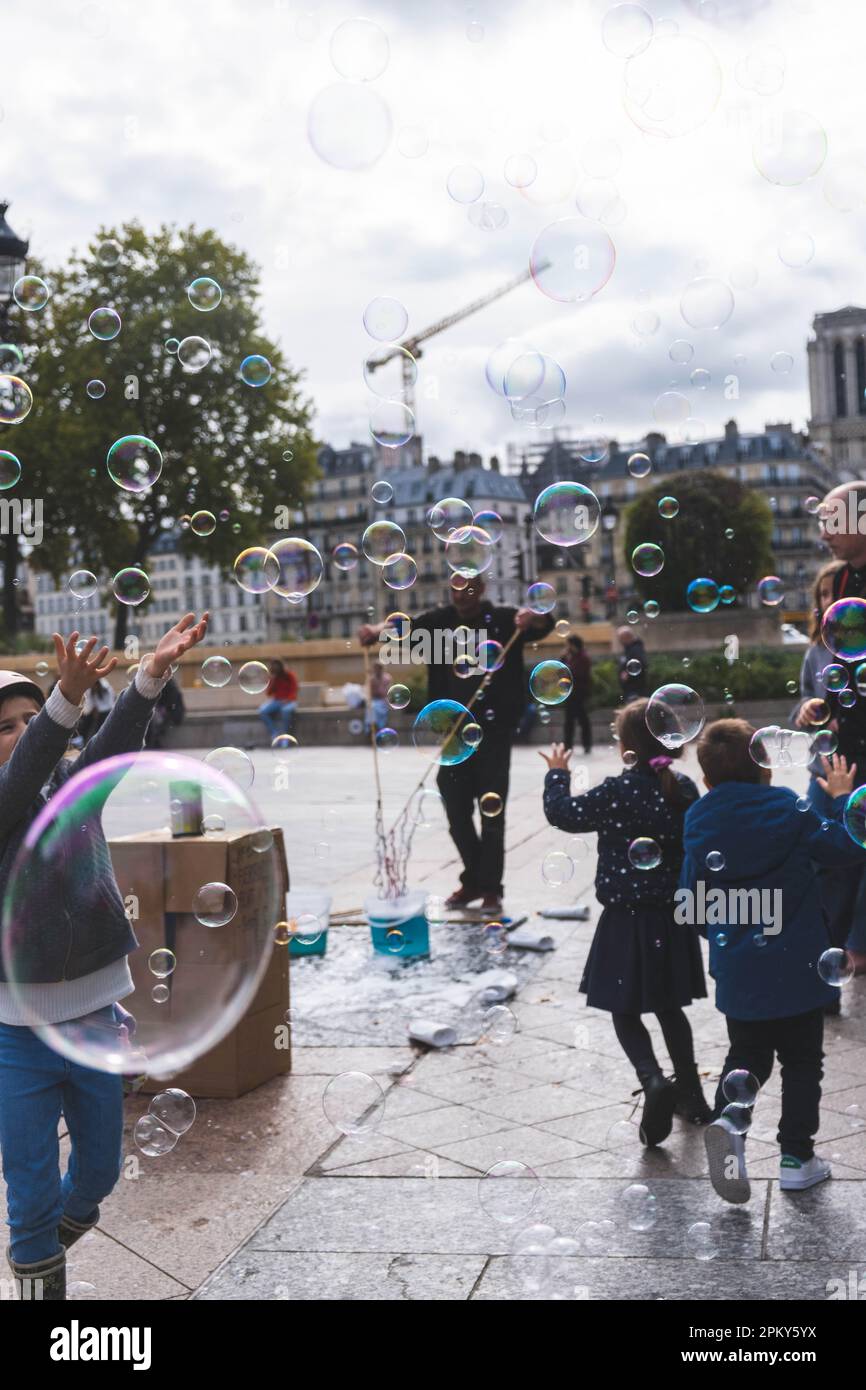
(73, 961)
(640, 961)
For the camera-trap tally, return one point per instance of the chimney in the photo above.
(732, 434)
(475, 461)
(494, 463)
(433, 464)
(459, 460)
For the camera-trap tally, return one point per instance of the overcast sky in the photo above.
(199, 112)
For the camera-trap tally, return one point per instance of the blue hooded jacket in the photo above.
(770, 846)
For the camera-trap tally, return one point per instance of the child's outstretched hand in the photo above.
(185, 634)
(80, 670)
(838, 779)
(558, 757)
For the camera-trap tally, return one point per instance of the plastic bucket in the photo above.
(300, 901)
(399, 928)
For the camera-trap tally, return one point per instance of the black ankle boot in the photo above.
(69, 1231)
(691, 1103)
(44, 1281)
(658, 1110)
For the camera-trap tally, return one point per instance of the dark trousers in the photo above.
(636, 1043)
(461, 786)
(798, 1043)
(576, 710)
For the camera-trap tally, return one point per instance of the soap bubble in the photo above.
(172, 345)
(781, 362)
(824, 744)
(644, 853)
(491, 522)
(412, 141)
(354, 1103)
(639, 1206)
(670, 408)
(855, 815)
(771, 591)
(681, 351)
(520, 170)
(675, 714)
(702, 595)
(498, 1025)
(399, 696)
(193, 353)
(174, 1109)
(30, 293)
(204, 294)
(256, 569)
(255, 370)
(301, 567)
(550, 682)
(399, 572)
(835, 967)
(738, 1114)
(599, 200)
(385, 319)
(789, 147)
(392, 423)
(232, 763)
(130, 586)
(253, 677)
(541, 598)
(843, 629)
(10, 470)
(216, 671)
(344, 556)
(706, 303)
(11, 357)
(668, 508)
(134, 462)
(557, 868)
(127, 800)
(834, 676)
(149, 1135)
(491, 655)
(701, 1241)
(161, 963)
(796, 249)
(465, 183)
(214, 904)
(449, 515)
(508, 1191)
(639, 465)
(700, 378)
(386, 739)
(715, 861)
(359, 50)
(534, 375)
(381, 540)
(82, 583)
(16, 400)
(440, 729)
(740, 1087)
(104, 324)
(490, 804)
(501, 359)
(673, 87)
(566, 513)
(349, 126)
(202, 523)
(646, 321)
(95, 389)
(626, 30)
(647, 559)
(572, 259)
(382, 491)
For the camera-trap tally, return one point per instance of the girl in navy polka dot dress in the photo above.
(640, 961)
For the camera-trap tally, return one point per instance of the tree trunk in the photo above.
(10, 591)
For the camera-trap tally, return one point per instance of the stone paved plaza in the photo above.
(264, 1199)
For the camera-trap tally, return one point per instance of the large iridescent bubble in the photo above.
(444, 730)
(566, 513)
(675, 714)
(843, 629)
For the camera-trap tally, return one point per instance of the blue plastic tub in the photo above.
(399, 928)
(319, 904)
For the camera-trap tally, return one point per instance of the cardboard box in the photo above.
(163, 875)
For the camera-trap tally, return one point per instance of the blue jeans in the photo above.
(843, 886)
(37, 1087)
(379, 715)
(278, 716)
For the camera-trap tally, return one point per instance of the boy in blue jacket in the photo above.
(749, 884)
(73, 961)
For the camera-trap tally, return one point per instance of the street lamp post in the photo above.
(13, 254)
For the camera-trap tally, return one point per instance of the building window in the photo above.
(839, 379)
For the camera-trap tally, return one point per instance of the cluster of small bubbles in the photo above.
(193, 353)
(30, 293)
(204, 294)
(255, 370)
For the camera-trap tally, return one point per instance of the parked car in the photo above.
(793, 637)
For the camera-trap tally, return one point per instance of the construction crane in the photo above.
(412, 345)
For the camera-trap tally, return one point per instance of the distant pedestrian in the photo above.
(577, 660)
(278, 711)
(633, 666)
(376, 715)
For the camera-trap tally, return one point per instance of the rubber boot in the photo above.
(658, 1110)
(69, 1231)
(691, 1103)
(43, 1281)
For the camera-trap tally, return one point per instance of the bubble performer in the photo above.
(73, 964)
(497, 698)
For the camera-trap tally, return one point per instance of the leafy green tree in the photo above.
(722, 531)
(226, 445)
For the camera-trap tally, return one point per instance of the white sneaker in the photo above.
(726, 1152)
(795, 1174)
